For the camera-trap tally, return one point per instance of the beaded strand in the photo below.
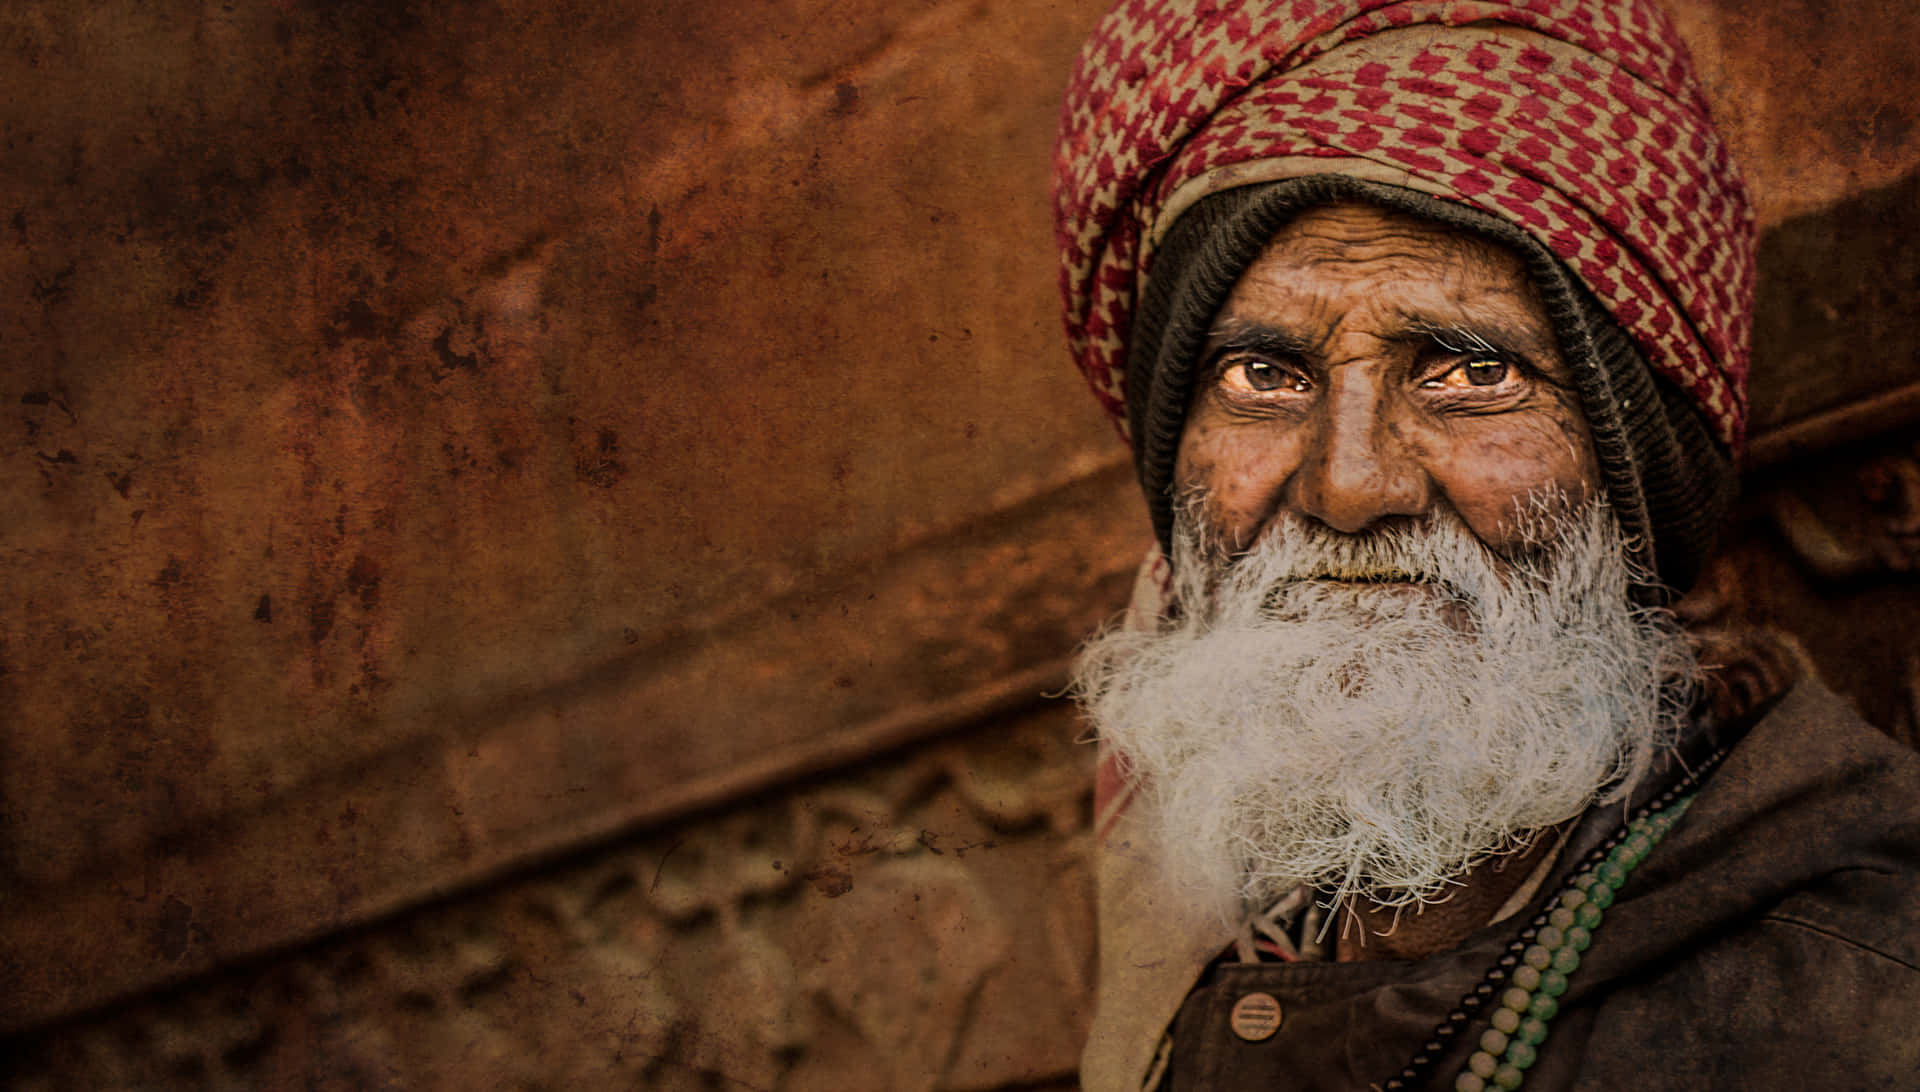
(1532, 975)
(1509, 1048)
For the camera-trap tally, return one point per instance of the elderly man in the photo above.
(1428, 326)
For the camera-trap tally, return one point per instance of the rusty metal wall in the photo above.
(411, 401)
(456, 454)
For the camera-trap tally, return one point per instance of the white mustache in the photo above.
(1304, 720)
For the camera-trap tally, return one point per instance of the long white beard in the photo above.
(1379, 739)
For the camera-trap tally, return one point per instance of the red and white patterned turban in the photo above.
(1590, 133)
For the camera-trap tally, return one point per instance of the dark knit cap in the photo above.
(1668, 481)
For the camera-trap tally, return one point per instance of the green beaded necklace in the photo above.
(1509, 1048)
(1536, 966)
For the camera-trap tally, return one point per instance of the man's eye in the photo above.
(1483, 372)
(1262, 375)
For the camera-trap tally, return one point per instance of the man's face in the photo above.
(1404, 641)
(1370, 369)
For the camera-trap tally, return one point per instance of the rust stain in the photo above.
(832, 881)
(600, 465)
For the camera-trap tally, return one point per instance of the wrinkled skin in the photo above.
(1371, 367)
(1368, 368)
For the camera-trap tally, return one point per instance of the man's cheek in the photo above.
(1510, 482)
(1239, 474)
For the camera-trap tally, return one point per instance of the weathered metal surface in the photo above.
(1820, 573)
(934, 638)
(1837, 324)
(1816, 99)
(917, 923)
(427, 358)
(393, 384)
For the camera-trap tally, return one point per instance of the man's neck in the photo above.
(1367, 931)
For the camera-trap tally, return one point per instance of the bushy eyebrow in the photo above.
(1493, 338)
(1457, 338)
(1241, 336)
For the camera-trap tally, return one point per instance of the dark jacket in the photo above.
(1772, 941)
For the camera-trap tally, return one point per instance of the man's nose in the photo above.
(1357, 469)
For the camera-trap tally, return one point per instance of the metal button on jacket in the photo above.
(1255, 1017)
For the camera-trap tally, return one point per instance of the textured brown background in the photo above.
(458, 456)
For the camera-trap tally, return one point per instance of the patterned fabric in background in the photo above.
(1572, 120)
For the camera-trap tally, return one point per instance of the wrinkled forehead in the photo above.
(1359, 268)
(1342, 243)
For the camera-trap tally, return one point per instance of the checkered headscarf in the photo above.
(1586, 128)
(1573, 132)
